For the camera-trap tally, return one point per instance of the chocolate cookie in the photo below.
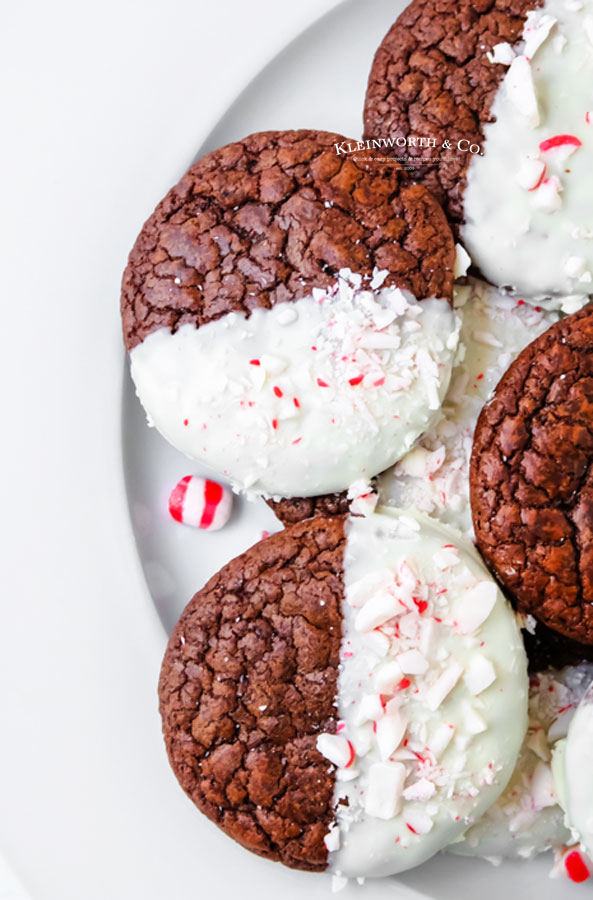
(296, 509)
(248, 683)
(530, 478)
(480, 100)
(287, 311)
(269, 218)
(431, 78)
(313, 681)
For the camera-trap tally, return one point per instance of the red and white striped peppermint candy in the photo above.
(201, 503)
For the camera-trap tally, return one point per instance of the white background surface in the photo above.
(104, 107)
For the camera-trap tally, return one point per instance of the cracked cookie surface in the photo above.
(431, 78)
(295, 509)
(267, 219)
(249, 680)
(531, 478)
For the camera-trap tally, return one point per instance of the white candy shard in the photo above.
(379, 609)
(388, 676)
(417, 821)
(411, 662)
(441, 739)
(542, 786)
(389, 734)
(479, 675)
(474, 722)
(420, 790)
(358, 593)
(475, 606)
(521, 91)
(574, 266)
(443, 686)
(332, 838)
(501, 53)
(384, 791)
(537, 28)
(530, 173)
(462, 261)
(420, 462)
(446, 557)
(336, 748)
(547, 196)
(369, 709)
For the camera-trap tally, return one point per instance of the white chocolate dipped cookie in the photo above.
(288, 316)
(499, 124)
(432, 695)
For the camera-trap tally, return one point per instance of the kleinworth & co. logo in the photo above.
(348, 147)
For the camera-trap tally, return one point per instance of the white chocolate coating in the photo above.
(538, 240)
(434, 476)
(527, 818)
(305, 398)
(432, 694)
(573, 767)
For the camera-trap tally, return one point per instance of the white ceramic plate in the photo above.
(318, 81)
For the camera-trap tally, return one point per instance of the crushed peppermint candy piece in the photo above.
(501, 53)
(541, 787)
(417, 821)
(531, 173)
(384, 791)
(521, 91)
(479, 675)
(561, 146)
(337, 749)
(200, 503)
(537, 27)
(420, 790)
(411, 662)
(462, 261)
(475, 606)
(378, 609)
(332, 838)
(588, 27)
(389, 733)
(364, 499)
(443, 685)
(547, 196)
(575, 266)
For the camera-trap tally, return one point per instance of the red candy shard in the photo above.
(560, 140)
(403, 684)
(322, 383)
(277, 391)
(176, 498)
(254, 362)
(576, 868)
(356, 380)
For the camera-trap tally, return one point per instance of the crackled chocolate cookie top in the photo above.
(295, 509)
(530, 480)
(248, 683)
(267, 219)
(431, 77)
